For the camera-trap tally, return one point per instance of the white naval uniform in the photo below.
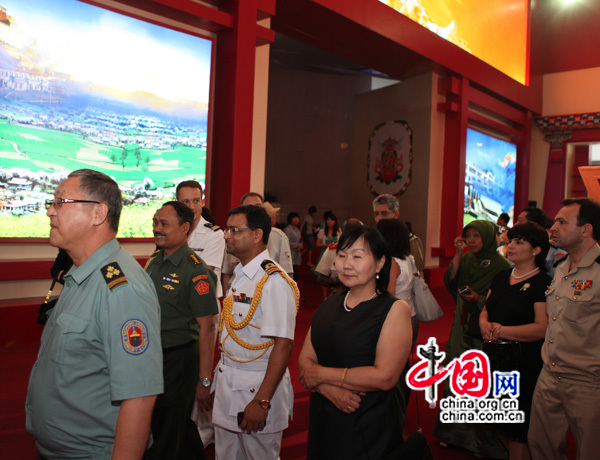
(236, 383)
(209, 244)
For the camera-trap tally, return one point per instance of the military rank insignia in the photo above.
(134, 334)
(195, 259)
(202, 287)
(213, 227)
(269, 267)
(113, 275)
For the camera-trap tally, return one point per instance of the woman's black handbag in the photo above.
(504, 355)
(414, 447)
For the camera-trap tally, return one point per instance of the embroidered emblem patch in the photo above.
(581, 285)
(168, 287)
(135, 337)
(199, 277)
(203, 288)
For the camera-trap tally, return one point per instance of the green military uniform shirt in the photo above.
(101, 345)
(186, 290)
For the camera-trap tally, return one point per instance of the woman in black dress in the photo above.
(353, 355)
(515, 310)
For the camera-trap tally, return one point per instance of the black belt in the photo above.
(178, 347)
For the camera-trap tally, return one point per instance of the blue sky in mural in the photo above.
(114, 50)
(489, 177)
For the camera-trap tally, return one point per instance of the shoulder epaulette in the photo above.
(151, 258)
(270, 267)
(213, 227)
(194, 258)
(560, 260)
(113, 275)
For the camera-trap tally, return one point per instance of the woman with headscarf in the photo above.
(468, 279)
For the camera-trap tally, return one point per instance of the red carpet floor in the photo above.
(18, 352)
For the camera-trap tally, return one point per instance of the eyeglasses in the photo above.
(236, 230)
(58, 202)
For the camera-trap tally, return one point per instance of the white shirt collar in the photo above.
(250, 269)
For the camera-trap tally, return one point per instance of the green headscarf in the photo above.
(477, 270)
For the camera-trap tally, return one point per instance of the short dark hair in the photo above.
(291, 215)
(312, 209)
(396, 236)
(535, 235)
(538, 216)
(377, 246)
(185, 214)
(262, 200)
(190, 184)
(505, 217)
(99, 187)
(589, 213)
(256, 217)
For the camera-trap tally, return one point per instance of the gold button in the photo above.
(574, 297)
(551, 341)
(220, 369)
(559, 377)
(554, 364)
(252, 390)
(565, 277)
(557, 298)
(554, 318)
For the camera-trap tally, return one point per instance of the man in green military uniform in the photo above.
(186, 290)
(99, 369)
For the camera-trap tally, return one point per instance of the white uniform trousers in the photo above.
(230, 445)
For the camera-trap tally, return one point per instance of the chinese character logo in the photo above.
(470, 373)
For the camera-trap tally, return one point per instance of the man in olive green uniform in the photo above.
(567, 394)
(99, 369)
(186, 290)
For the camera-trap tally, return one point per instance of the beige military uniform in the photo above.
(567, 394)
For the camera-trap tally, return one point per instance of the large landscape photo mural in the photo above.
(83, 87)
(489, 177)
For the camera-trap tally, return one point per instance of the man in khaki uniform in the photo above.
(567, 394)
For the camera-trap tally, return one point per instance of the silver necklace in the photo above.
(346, 298)
(523, 276)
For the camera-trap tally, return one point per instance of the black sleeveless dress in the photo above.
(349, 339)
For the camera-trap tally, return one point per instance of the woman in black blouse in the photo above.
(515, 311)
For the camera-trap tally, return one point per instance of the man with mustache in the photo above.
(186, 290)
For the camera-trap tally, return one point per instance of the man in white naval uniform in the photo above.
(253, 391)
(206, 239)
(278, 245)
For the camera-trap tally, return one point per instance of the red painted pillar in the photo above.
(232, 114)
(455, 150)
(554, 191)
(522, 169)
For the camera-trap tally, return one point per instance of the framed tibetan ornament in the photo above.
(389, 163)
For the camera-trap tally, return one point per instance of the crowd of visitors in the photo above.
(125, 369)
